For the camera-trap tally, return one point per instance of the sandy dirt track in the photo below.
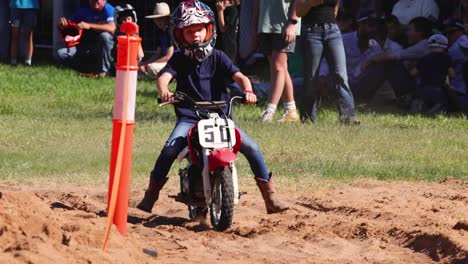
(364, 222)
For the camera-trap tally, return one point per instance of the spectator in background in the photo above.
(346, 21)
(458, 51)
(23, 13)
(386, 35)
(359, 46)
(162, 20)
(126, 13)
(406, 10)
(322, 39)
(278, 26)
(228, 24)
(385, 92)
(395, 30)
(431, 95)
(93, 55)
(395, 66)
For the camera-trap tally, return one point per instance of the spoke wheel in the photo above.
(222, 204)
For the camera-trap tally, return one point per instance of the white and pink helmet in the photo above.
(192, 12)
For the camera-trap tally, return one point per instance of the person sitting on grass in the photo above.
(93, 55)
(396, 66)
(433, 68)
(201, 72)
(161, 18)
(458, 51)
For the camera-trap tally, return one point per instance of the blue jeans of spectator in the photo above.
(432, 95)
(178, 141)
(324, 41)
(372, 79)
(93, 54)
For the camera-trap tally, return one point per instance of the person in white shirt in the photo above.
(406, 10)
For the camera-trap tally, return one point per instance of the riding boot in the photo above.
(151, 195)
(267, 188)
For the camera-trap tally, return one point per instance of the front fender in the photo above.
(221, 158)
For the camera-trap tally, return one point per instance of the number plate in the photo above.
(214, 133)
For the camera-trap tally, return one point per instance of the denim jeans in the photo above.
(370, 80)
(92, 55)
(324, 41)
(178, 141)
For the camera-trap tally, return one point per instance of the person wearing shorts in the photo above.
(23, 13)
(278, 26)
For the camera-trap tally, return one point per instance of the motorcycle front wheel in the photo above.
(222, 203)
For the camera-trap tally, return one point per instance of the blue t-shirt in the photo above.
(201, 81)
(86, 14)
(433, 68)
(24, 4)
(165, 41)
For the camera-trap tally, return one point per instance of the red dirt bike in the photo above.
(210, 179)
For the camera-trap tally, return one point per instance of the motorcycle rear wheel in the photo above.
(222, 204)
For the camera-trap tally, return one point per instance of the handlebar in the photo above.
(202, 106)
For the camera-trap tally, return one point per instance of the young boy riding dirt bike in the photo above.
(201, 72)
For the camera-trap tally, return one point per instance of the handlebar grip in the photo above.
(244, 98)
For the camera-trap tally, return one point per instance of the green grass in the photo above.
(56, 128)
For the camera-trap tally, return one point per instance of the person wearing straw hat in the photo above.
(161, 18)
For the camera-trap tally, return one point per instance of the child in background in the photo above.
(201, 72)
(126, 13)
(161, 18)
(228, 23)
(433, 68)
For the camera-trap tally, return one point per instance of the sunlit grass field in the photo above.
(56, 128)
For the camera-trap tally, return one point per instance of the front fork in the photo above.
(206, 177)
(235, 183)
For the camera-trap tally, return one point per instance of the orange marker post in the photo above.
(122, 129)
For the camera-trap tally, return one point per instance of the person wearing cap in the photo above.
(368, 40)
(161, 18)
(359, 46)
(458, 51)
(93, 55)
(431, 96)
